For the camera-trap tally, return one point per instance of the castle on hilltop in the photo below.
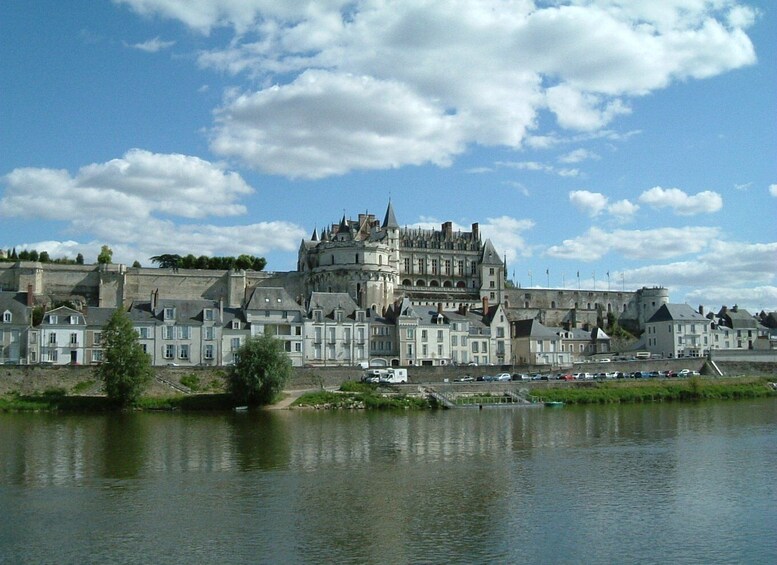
(377, 263)
(365, 290)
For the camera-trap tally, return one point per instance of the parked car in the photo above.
(566, 377)
(520, 377)
(465, 379)
(503, 377)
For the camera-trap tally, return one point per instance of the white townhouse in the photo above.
(271, 311)
(536, 344)
(96, 320)
(738, 329)
(459, 335)
(423, 335)
(382, 341)
(179, 332)
(15, 328)
(336, 331)
(494, 320)
(62, 337)
(677, 330)
(235, 331)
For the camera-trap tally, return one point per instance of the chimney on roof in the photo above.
(221, 310)
(466, 309)
(735, 308)
(475, 232)
(447, 230)
(701, 310)
(485, 305)
(30, 296)
(439, 307)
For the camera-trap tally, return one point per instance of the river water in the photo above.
(664, 483)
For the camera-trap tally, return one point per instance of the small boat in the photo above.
(553, 403)
(240, 408)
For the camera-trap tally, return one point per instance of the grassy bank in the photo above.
(58, 401)
(357, 395)
(692, 389)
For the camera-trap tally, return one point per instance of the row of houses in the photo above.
(328, 330)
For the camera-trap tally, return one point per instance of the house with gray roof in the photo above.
(179, 332)
(677, 330)
(62, 334)
(272, 311)
(15, 328)
(336, 331)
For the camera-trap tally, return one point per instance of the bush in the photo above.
(192, 382)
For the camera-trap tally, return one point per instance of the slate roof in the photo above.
(328, 302)
(677, 313)
(533, 328)
(490, 256)
(272, 298)
(739, 319)
(390, 221)
(98, 317)
(16, 304)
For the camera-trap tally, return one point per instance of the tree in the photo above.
(44, 257)
(136, 264)
(261, 371)
(126, 368)
(79, 259)
(167, 260)
(105, 256)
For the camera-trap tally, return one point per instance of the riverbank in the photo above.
(86, 396)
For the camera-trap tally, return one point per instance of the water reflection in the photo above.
(538, 485)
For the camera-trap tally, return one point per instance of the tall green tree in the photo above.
(105, 256)
(261, 371)
(126, 368)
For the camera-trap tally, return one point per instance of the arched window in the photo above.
(407, 282)
(420, 283)
(461, 284)
(447, 284)
(434, 283)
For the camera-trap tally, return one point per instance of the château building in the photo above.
(376, 263)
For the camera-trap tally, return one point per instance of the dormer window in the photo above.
(317, 315)
(7, 317)
(235, 324)
(339, 316)
(169, 313)
(208, 314)
(73, 320)
(53, 319)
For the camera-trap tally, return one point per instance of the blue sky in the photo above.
(635, 139)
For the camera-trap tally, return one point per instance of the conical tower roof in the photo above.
(390, 221)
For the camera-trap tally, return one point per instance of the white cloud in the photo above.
(773, 190)
(152, 45)
(725, 273)
(578, 110)
(127, 203)
(681, 203)
(135, 186)
(326, 124)
(469, 72)
(577, 156)
(656, 244)
(623, 209)
(590, 203)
